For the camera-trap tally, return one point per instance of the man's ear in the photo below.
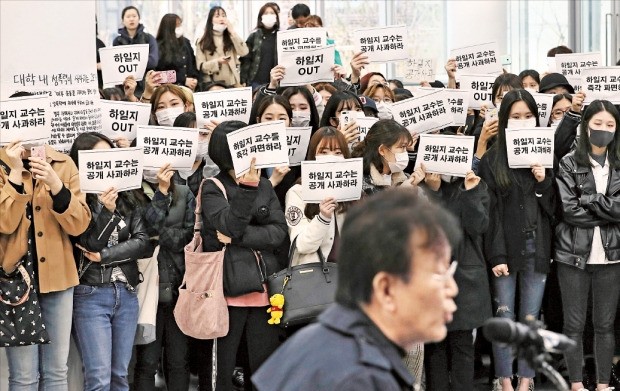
(383, 285)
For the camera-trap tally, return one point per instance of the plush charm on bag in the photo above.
(277, 308)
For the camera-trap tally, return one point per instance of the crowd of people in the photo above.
(530, 243)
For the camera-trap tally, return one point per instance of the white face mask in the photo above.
(402, 161)
(521, 123)
(300, 119)
(184, 174)
(328, 158)
(384, 111)
(150, 176)
(531, 90)
(166, 117)
(269, 20)
(220, 28)
(178, 32)
(203, 150)
(446, 178)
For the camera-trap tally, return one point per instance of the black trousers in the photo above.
(449, 364)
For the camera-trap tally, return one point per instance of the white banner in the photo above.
(307, 66)
(382, 44)
(445, 154)
(571, 65)
(364, 124)
(121, 119)
(601, 83)
(101, 169)
(545, 105)
(423, 114)
(27, 119)
(232, 104)
(297, 140)
(341, 179)
(420, 69)
(301, 39)
(480, 59)
(480, 87)
(165, 144)
(265, 141)
(529, 146)
(118, 62)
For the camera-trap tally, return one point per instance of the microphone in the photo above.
(502, 330)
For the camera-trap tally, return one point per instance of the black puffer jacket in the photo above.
(582, 210)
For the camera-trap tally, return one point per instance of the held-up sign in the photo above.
(424, 113)
(341, 179)
(382, 44)
(458, 101)
(364, 124)
(481, 59)
(297, 140)
(446, 154)
(118, 62)
(571, 65)
(232, 104)
(264, 141)
(528, 146)
(301, 39)
(480, 87)
(307, 66)
(101, 169)
(164, 144)
(121, 119)
(545, 104)
(420, 69)
(601, 83)
(27, 119)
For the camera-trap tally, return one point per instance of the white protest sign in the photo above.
(480, 87)
(364, 124)
(165, 144)
(341, 179)
(423, 114)
(27, 119)
(382, 44)
(552, 68)
(601, 83)
(419, 69)
(571, 65)
(458, 101)
(445, 154)
(528, 146)
(264, 141)
(121, 119)
(297, 140)
(232, 104)
(101, 169)
(307, 66)
(118, 62)
(545, 105)
(301, 39)
(480, 59)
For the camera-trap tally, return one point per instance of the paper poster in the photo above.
(382, 44)
(264, 141)
(364, 124)
(571, 65)
(121, 119)
(478, 59)
(423, 114)
(545, 105)
(445, 154)
(420, 69)
(165, 144)
(101, 169)
(307, 66)
(297, 140)
(27, 119)
(458, 101)
(341, 179)
(118, 62)
(301, 39)
(529, 146)
(601, 83)
(232, 104)
(480, 87)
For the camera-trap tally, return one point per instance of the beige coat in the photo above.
(209, 67)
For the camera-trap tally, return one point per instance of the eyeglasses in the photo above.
(559, 113)
(447, 274)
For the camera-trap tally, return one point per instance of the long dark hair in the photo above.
(206, 43)
(584, 148)
(503, 81)
(338, 101)
(167, 41)
(383, 132)
(259, 20)
(259, 107)
(314, 114)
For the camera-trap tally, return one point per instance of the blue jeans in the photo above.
(105, 318)
(531, 289)
(44, 367)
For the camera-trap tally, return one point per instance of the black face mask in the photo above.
(601, 138)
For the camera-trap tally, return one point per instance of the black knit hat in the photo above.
(553, 80)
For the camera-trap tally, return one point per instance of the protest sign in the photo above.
(420, 69)
(165, 144)
(58, 68)
(571, 65)
(341, 179)
(545, 105)
(118, 62)
(27, 119)
(423, 114)
(480, 87)
(382, 44)
(121, 119)
(264, 141)
(552, 68)
(301, 39)
(101, 169)
(297, 140)
(528, 146)
(364, 124)
(478, 59)
(458, 101)
(307, 66)
(601, 83)
(445, 154)
(232, 104)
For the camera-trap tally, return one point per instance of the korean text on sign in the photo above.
(307, 66)
(545, 104)
(419, 69)
(601, 83)
(445, 154)
(382, 44)
(458, 101)
(297, 140)
(101, 169)
(364, 124)
(301, 39)
(27, 119)
(529, 146)
(118, 62)
(265, 141)
(121, 119)
(480, 87)
(423, 114)
(164, 144)
(341, 179)
(233, 104)
(571, 65)
(479, 59)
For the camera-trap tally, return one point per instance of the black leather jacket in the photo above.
(133, 243)
(582, 210)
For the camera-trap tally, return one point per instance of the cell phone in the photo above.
(490, 115)
(168, 77)
(38, 151)
(346, 117)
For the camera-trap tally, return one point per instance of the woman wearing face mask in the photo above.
(562, 103)
(262, 55)
(530, 80)
(304, 109)
(218, 51)
(519, 236)
(587, 240)
(175, 51)
(339, 102)
(383, 97)
(167, 103)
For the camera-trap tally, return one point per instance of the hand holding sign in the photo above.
(129, 85)
(416, 177)
(451, 68)
(433, 181)
(278, 174)
(164, 175)
(577, 103)
(277, 73)
(108, 199)
(539, 172)
(358, 62)
(15, 150)
(327, 207)
(471, 180)
(252, 175)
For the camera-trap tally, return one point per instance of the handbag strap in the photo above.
(198, 210)
(22, 270)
